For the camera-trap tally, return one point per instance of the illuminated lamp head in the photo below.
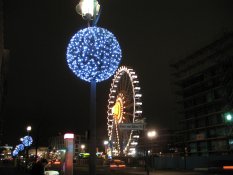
(117, 109)
(93, 54)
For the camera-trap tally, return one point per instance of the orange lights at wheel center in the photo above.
(117, 110)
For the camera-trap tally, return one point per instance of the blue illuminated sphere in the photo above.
(15, 152)
(20, 147)
(27, 140)
(93, 54)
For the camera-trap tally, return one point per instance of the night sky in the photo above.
(43, 92)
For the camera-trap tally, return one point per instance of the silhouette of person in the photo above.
(38, 168)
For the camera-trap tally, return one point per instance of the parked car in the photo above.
(51, 173)
(55, 165)
(116, 164)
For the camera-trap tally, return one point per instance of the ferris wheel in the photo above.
(124, 106)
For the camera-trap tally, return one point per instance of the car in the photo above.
(51, 173)
(116, 164)
(55, 165)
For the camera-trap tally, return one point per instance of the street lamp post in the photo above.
(29, 128)
(88, 9)
(83, 148)
(228, 118)
(150, 134)
(105, 147)
(93, 54)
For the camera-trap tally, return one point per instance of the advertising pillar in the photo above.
(69, 143)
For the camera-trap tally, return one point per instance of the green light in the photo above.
(228, 116)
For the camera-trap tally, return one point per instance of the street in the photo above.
(11, 170)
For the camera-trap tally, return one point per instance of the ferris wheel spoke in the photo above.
(128, 114)
(120, 82)
(129, 106)
(129, 88)
(125, 83)
(126, 120)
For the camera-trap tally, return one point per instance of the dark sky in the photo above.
(44, 93)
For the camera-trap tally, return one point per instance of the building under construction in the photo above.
(4, 56)
(203, 90)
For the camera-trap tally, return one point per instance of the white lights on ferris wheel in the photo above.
(138, 95)
(136, 136)
(138, 112)
(134, 143)
(137, 88)
(132, 149)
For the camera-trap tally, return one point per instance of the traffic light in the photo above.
(228, 117)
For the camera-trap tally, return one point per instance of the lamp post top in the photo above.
(88, 9)
(105, 142)
(151, 133)
(29, 128)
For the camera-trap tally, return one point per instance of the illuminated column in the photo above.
(69, 143)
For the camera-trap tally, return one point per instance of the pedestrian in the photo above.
(38, 168)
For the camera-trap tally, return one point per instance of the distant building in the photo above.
(4, 57)
(40, 151)
(203, 90)
(162, 145)
(5, 152)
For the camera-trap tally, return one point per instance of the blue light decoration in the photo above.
(15, 152)
(20, 147)
(27, 140)
(93, 54)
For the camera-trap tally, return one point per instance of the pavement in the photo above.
(10, 170)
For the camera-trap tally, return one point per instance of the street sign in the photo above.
(131, 126)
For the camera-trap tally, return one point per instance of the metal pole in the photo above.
(146, 153)
(92, 141)
(147, 163)
(27, 152)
